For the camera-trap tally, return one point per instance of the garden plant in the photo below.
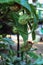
(15, 17)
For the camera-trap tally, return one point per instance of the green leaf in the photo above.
(6, 1)
(33, 35)
(14, 16)
(39, 61)
(33, 9)
(28, 6)
(23, 32)
(7, 40)
(23, 3)
(35, 25)
(34, 55)
(22, 29)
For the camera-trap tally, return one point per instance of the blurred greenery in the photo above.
(9, 15)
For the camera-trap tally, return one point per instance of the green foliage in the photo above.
(33, 35)
(6, 52)
(21, 29)
(10, 57)
(13, 19)
(6, 1)
(23, 19)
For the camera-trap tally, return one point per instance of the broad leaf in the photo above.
(39, 61)
(28, 6)
(34, 55)
(34, 26)
(22, 29)
(33, 35)
(7, 40)
(6, 1)
(23, 32)
(15, 16)
(23, 3)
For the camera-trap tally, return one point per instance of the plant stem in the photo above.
(22, 55)
(18, 46)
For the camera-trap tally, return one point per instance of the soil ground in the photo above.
(39, 47)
